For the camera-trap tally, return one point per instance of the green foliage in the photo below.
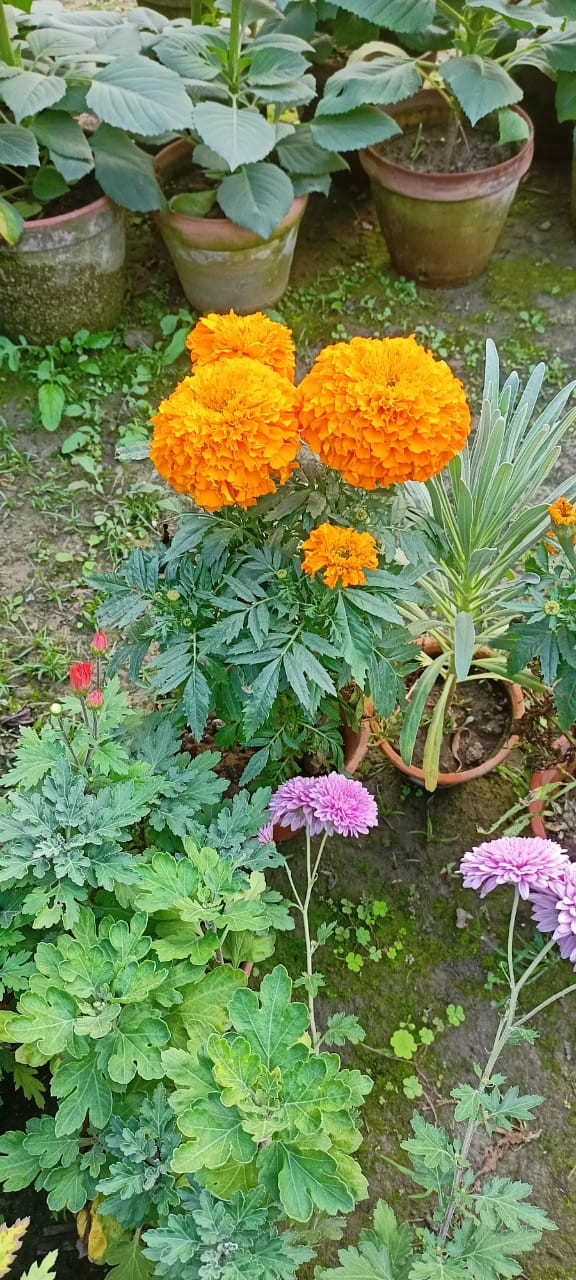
(545, 627)
(255, 1105)
(242, 632)
(65, 67)
(210, 1239)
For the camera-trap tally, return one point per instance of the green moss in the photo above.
(514, 283)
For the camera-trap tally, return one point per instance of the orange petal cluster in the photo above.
(343, 554)
(255, 336)
(563, 513)
(229, 434)
(382, 411)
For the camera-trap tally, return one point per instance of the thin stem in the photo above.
(234, 45)
(303, 905)
(196, 12)
(511, 928)
(544, 1005)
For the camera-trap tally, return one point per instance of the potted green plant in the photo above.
(482, 517)
(274, 612)
(74, 94)
(443, 189)
(239, 179)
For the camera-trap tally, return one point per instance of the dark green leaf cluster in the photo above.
(258, 1106)
(242, 632)
(545, 628)
(209, 1240)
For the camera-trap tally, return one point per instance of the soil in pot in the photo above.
(423, 149)
(478, 725)
(82, 193)
(233, 759)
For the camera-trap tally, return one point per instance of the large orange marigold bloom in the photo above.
(563, 513)
(228, 434)
(342, 553)
(256, 336)
(383, 410)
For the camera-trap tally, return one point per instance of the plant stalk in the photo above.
(7, 52)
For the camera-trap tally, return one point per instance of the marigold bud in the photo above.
(99, 642)
(56, 709)
(95, 698)
(282, 573)
(172, 595)
(552, 607)
(80, 675)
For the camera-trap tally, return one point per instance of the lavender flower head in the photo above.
(266, 833)
(344, 806)
(332, 803)
(555, 913)
(292, 805)
(530, 863)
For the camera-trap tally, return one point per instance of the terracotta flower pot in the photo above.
(66, 273)
(549, 777)
(516, 701)
(221, 266)
(441, 228)
(356, 743)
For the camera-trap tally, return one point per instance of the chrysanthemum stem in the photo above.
(511, 928)
(544, 1005)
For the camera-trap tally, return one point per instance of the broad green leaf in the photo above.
(18, 1167)
(67, 144)
(11, 223)
(236, 1070)
(511, 126)
(51, 401)
(361, 127)
(206, 1002)
(125, 172)
(44, 1270)
(261, 697)
(127, 1261)
(379, 81)
(216, 1135)
(85, 1092)
(196, 204)
(258, 197)
(45, 1020)
(135, 1047)
(504, 1203)
(397, 15)
(566, 95)
(269, 66)
(18, 146)
(238, 135)
(66, 1189)
(47, 184)
(139, 95)
(307, 1181)
(298, 153)
(268, 1019)
(481, 85)
(29, 92)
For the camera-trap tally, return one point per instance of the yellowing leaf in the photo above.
(10, 1241)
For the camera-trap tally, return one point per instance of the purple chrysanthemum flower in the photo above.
(555, 913)
(530, 863)
(266, 833)
(343, 805)
(292, 805)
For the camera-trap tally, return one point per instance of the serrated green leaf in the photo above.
(238, 135)
(481, 85)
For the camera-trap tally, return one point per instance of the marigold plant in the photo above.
(382, 411)
(343, 554)
(228, 434)
(256, 336)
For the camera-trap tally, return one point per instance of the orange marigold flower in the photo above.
(256, 336)
(383, 410)
(342, 553)
(562, 512)
(228, 434)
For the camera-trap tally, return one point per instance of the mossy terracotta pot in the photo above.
(356, 742)
(66, 273)
(516, 707)
(221, 266)
(441, 228)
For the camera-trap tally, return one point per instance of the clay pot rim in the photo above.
(541, 778)
(223, 227)
(446, 186)
(40, 224)
(517, 708)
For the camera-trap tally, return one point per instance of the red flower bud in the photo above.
(80, 674)
(96, 698)
(99, 642)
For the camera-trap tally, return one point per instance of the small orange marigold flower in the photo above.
(228, 434)
(256, 336)
(343, 554)
(562, 512)
(383, 410)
